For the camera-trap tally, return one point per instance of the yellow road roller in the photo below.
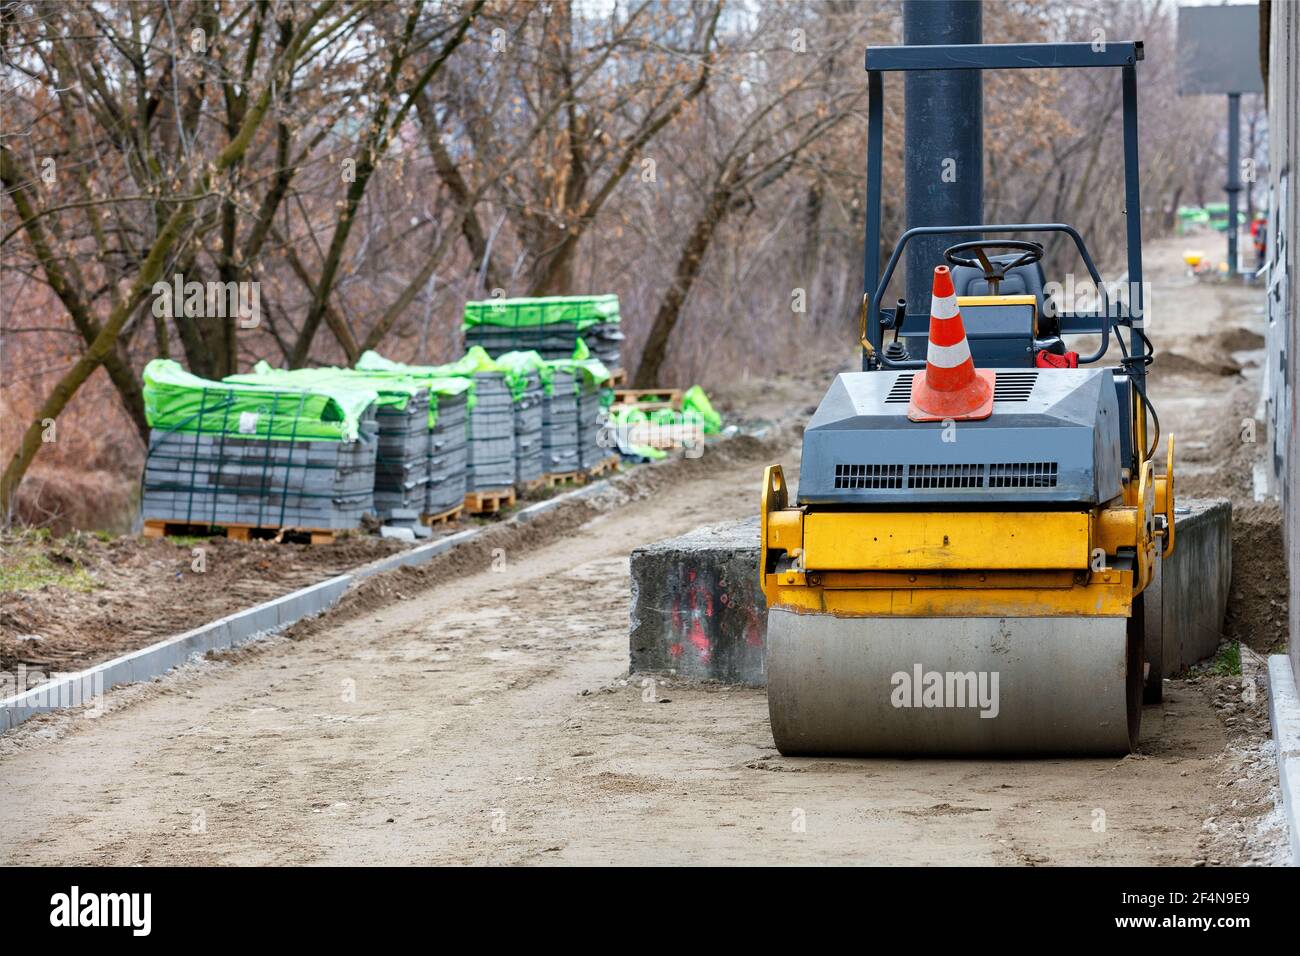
(979, 509)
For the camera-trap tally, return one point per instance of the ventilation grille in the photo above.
(1011, 474)
(901, 391)
(868, 476)
(1023, 474)
(1014, 386)
(1009, 387)
(945, 476)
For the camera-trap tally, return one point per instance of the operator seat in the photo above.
(1024, 280)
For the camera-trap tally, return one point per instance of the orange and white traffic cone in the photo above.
(951, 387)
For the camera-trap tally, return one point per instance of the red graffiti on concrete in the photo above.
(690, 614)
(753, 628)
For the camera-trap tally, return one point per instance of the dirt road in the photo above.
(480, 712)
(486, 720)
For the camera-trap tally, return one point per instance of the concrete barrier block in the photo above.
(1194, 583)
(697, 609)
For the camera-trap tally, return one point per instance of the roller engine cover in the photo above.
(1053, 440)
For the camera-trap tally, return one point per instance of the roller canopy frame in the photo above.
(1122, 55)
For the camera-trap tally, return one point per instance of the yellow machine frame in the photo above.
(969, 564)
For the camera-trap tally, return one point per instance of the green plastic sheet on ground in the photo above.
(583, 311)
(696, 410)
(177, 400)
(624, 417)
(696, 401)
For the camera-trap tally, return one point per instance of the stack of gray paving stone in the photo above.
(448, 455)
(528, 431)
(605, 341)
(205, 479)
(491, 434)
(554, 341)
(402, 461)
(591, 422)
(560, 424)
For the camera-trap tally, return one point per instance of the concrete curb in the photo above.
(87, 687)
(1284, 712)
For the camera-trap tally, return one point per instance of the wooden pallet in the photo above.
(610, 464)
(489, 502)
(442, 517)
(154, 528)
(564, 478)
(649, 399)
(618, 377)
(666, 437)
(537, 484)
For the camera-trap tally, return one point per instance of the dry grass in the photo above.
(88, 476)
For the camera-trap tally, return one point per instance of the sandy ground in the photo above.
(488, 719)
(57, 628)
(478, 711)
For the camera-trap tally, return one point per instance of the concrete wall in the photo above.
(1283, 44)
(698, 612)
(1192, 590)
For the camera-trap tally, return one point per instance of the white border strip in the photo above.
(1284, 712)
(256, 622)
(948, 356)
(944, 306)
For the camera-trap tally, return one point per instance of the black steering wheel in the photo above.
(994, 272)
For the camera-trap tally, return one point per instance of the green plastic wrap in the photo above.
(593, 370)
(583, 311)
(393, 391)
(514, 365)
(176, 400)
(475, 360)
(393, 388)
(450, 379)
(696, 401)
(696, 410)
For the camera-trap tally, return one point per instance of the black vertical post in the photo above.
(871, 248)
(943, 125)
(1133, 217)
(1133, 225)
(1234, 176)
